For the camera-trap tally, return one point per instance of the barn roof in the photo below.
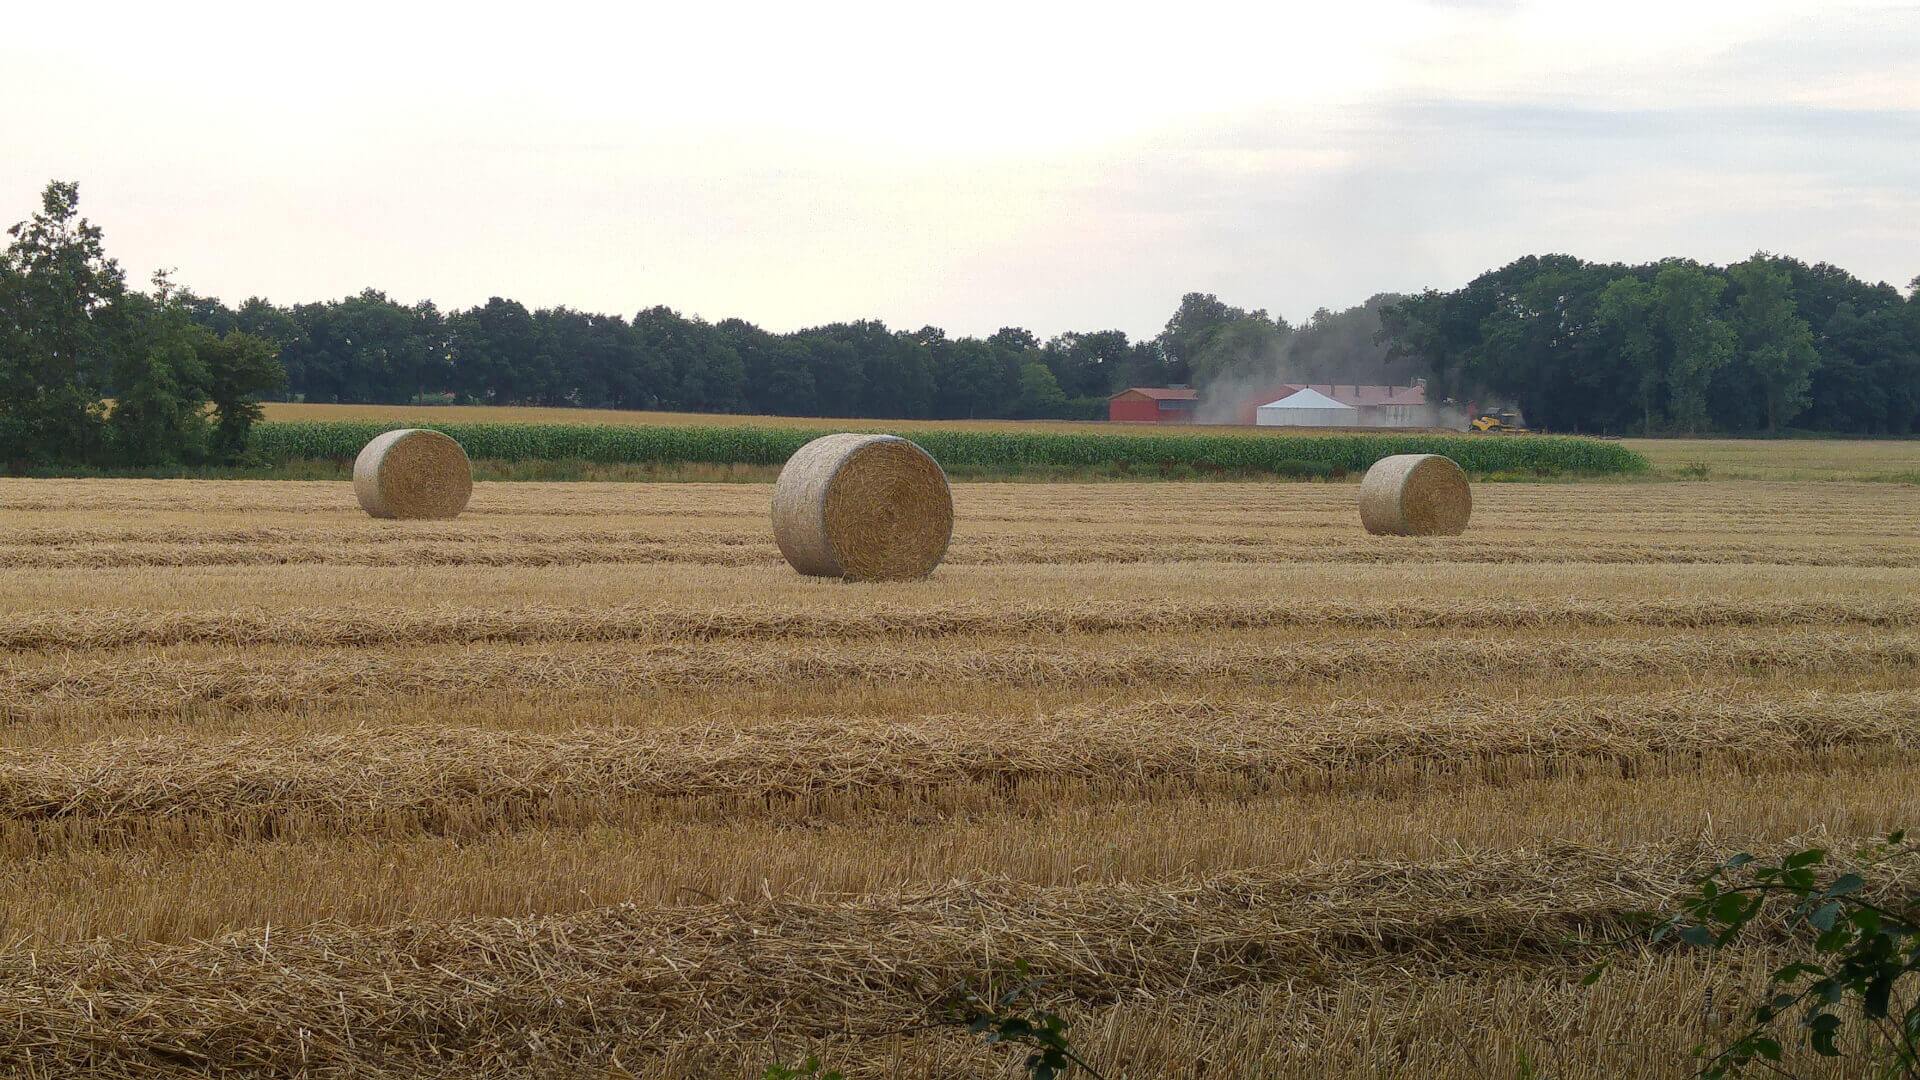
(1404, 395)
(1359, 396)
(1307, 398)
(1371, 393)
(1162, 393)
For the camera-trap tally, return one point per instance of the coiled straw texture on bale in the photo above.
(413, 473)
(864, 508)
(1415, 495)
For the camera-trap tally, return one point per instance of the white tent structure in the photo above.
(1307, 408)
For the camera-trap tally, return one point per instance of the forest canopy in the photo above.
(1674, 346)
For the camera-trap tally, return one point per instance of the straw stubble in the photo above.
(502, 797)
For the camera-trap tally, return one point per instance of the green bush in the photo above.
(1861, 954)
(1005, 452)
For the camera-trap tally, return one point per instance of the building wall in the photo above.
(1308, 418)
(1135, 409)
(1400, 416)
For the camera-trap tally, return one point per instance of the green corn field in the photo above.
(998, 452)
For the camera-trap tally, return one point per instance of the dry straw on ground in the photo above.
(149, 684)
(413, 473)
(454, 624)
(303, 797)
(1415, 495)
(863, 507)
(570, 994)
(431, 778)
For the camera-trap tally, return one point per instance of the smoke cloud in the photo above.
(1341, 348)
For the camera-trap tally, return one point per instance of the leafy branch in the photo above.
(1862, 954)
(1001, 1020)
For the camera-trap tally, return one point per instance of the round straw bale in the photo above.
(412, 473)
(1415, 495)
(864, 508)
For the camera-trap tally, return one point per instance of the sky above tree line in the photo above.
(1054, 166)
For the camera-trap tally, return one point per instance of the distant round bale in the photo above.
(864, 508)
(413, 473)
(1415, 495)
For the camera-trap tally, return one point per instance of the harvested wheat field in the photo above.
(589, 782)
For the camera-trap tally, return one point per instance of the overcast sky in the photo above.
(1056, 166)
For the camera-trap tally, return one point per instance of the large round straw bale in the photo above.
(862, 507)
(413, 473)
(1416, 495)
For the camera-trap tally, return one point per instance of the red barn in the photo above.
(1153, 405)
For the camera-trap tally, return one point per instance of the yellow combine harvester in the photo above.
(1501, 423)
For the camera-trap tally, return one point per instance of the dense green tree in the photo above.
(93, 372)
(1762, 344)
(704, 371)
(776, 367)
(1090, 365)
(1776, 345)
(613, 370)
(1700, 342)
(208, 311)
(839, 372)
(1868, 380)
(1193, 324)
(1017, 338)
(975, 379)
(1440, 333)
(1040, 394)
(1536, 336)
(305, 356)
(1242, 349)
(1627, 314)
(57, 293)
(865, 369)
(494, 348)
(563, 352)
(713, 379)
(157, 380)
(182, 391)
(261, 319)
(239, 370)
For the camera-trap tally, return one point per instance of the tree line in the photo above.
(371, 348)
(1674, 346)
(94, 372)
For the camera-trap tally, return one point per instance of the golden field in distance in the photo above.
(1877, 460)
(588, 782)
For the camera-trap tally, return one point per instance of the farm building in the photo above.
(1370, 405)
(1307, 407)
(1154, 405)
(1317, 405)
